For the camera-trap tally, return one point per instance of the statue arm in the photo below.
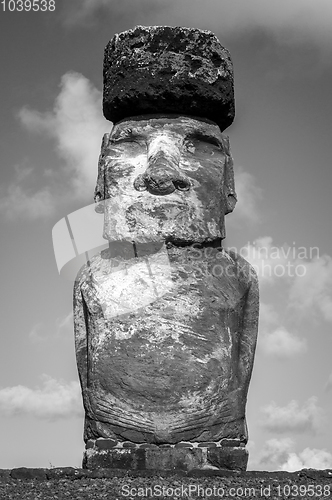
(249, 330)
(81, 334)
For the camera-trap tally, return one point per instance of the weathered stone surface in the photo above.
(207, 445)
(195, 483)
(165, 319)
(114, 459)
(5, 474)
(164, 179)
(161, 69)
(89, 443)
(28, 473)
(230, 442)
(228, 458)
(128, 444)
(165, 334)
(304, 476)
(104, 444)
(157, 458)
(179, 368)
(64, 472)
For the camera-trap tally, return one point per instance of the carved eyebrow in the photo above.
(202, 136)
(126, 134)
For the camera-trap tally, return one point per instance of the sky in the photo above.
(281, 139)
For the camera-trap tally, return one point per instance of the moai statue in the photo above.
(165, 318)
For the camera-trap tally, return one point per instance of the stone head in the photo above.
(165, 178)
(165, 170)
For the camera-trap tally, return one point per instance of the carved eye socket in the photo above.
(123, 135)
(97, 197)
(189, 145)
(181, 185)
(129, 138)
(127, 132)
(99, 208)
(139, 183)
(231, 202)
(201, 141)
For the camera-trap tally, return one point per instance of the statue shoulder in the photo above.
(85, 272)
(244, 269)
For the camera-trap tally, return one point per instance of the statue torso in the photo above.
(163, 340)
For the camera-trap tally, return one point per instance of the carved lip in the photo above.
(161, 205)
(162, 191)
(173, 204)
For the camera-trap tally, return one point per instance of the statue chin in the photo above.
(163, 223)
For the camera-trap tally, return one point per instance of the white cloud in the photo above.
(307, 274)
(248, 194)
(65, 324)
(35, 334)
(290, 22)
(66, 320)
(54, 400)
(270, 262)
(81, 11)
(64, 327)
(293, 418)
(328, 385)
(274, 339)
(308, 459)
(19, 202)
(273, 452)
(313, 291)
(277, 454)
(281, 342)
(267, 315)
(77, 125)
(84, 11)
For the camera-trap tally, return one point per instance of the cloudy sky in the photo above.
(51, 130)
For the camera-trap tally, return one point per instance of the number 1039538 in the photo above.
(27, 5)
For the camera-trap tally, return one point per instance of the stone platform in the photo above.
(108, 453)
(83, 484)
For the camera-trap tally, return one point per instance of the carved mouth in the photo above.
(130, 249)
(171, 205)
(209, 242)
(161, 190)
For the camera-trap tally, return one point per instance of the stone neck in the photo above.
(128, 250)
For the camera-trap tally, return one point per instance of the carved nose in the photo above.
(161, 180)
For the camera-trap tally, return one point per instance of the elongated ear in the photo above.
(229, 183)
(99, 194)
